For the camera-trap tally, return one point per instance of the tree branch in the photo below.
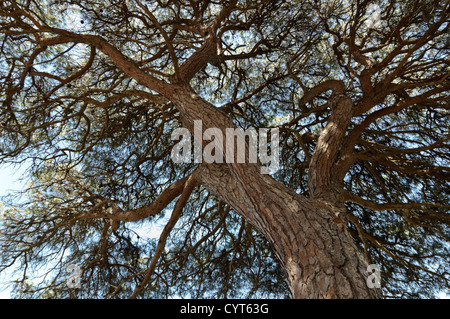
(348, 196)
(320, 172)
(119, 59)
(164, 199)
(336, 86)
(188, 187)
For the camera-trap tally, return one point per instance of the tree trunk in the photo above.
(308, 235)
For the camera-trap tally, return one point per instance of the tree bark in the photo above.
(308, 235)
(317, 253)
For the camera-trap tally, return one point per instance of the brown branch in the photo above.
(336, 86)
(119, 59)
(164, 199)
(189, 186)
(198, 60)
(228, 106)
(320, 172)
(210, 52)
(75, 75)
(163, 33)
(348, 196)
(347, 152)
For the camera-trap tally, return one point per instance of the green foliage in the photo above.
(90, 134)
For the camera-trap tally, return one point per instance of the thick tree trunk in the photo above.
(308, 235)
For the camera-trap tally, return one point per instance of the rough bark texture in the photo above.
(309, 236)
(399, 83)
(316, 252)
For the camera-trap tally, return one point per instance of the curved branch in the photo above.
(336, 86)
(321, 175)
(164, 199)
(119, 59)
(191, 182)
(348, 196)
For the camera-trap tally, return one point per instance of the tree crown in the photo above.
(86, 104)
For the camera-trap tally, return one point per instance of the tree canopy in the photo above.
(97, 141)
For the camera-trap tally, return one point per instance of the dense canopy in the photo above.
(104, 194)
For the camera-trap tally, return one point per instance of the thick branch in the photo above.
(164, 199)
(188, 187)
(328, 145)
(119, 59)
(208, 53)
(335, 85)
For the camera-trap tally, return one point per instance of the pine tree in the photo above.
(91, 92)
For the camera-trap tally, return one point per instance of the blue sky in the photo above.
(9, 176)
(9, 180)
